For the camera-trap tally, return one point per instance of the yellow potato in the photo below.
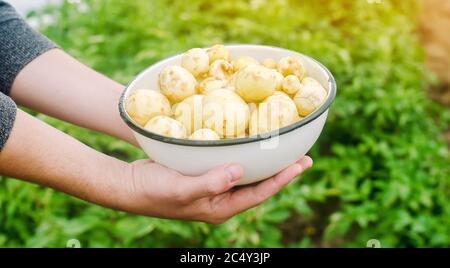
(221, 69)
(243, 62)
(204, 134)
(312, 81)
(215, 98)
(254, 125)
(252, 106)
(270, 63)
(232, 80)
(263, 121)
(291, 65)
(143, 104)
(254, 83)
(310, 96)
(166, 126)
(291, 84)
(177, 83)
(275, 112)
(225, 113)
(229, 88)
(287, 111)
(218, 52)
(195, 61)
(209, 84)
(189, 113)
(279, 78)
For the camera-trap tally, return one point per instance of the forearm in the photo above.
(38, 153)
(58, 85)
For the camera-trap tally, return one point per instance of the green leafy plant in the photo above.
(381, 169)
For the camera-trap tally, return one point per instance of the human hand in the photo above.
(161, 192)
(56, 160)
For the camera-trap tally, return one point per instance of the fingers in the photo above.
(214, 182)
(251, 196)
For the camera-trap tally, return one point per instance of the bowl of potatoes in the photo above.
(260, 106)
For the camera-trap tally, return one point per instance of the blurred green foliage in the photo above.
(381, 169)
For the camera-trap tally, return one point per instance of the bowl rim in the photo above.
(228, 142)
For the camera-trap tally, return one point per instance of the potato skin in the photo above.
(221, 69)
(255, 82)
(177, 83)
(232, 81)
(254, 124)
(215, 98)
(196, 61)
(291, 65)
(143, 104)
(287, 107)
(225, 113)
(273, 113)
(269, 63)
(262, 121)
(291, 84)
(252, 106)
(204, 134)
(189, 113)
(310, 96)
(166, 126)
(243, 62)
(218, 52)
(279, 80)
(210, 84)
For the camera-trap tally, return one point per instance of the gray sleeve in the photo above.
(7, 115)
(19, 45)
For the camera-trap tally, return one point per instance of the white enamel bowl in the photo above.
(261, 156)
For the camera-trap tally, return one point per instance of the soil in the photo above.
(297, 227)
(434, 33)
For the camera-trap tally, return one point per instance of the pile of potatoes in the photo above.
(212, 97)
